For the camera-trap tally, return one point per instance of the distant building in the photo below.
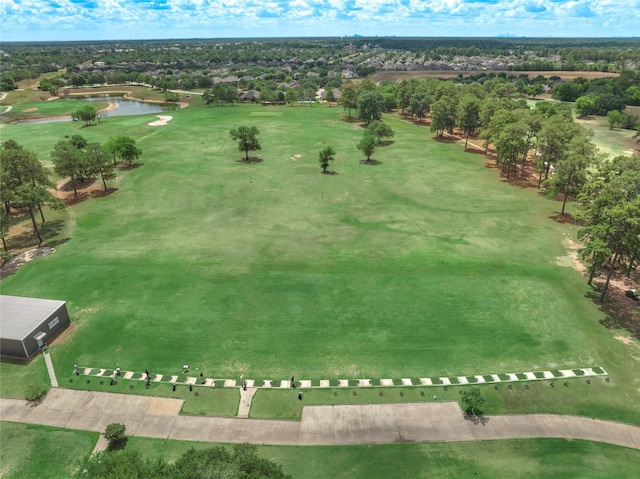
(27, 324)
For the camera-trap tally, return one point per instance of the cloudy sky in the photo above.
(47, 20)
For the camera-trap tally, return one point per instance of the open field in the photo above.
(406, 75)
(52, 453)
(40, 109)
(422, 265)
(39, 451)
(612, 142)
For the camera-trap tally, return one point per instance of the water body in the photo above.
(123, 107)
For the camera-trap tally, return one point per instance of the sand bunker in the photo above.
(162, 120)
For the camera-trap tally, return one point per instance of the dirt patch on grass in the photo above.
(90, 188)
(21, 259)
(29, 110)
(68, 333)
(624, 339)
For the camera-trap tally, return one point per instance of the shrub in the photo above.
(115, 433)
(35, 392)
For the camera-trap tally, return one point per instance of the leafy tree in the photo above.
(208, 97)
(79, 141)
(325, 157)
(534, 90)
(510, 144)
(610, 211)
(98, 162)
(607, 102)
(349, 97)
(17, 167)
(469, 116)
(4, 228)
(553, 142)
(246, 136)
(614, 117)
(571, 171)
(68, 161)
(472, 402)
(419, 104)
(171, 96)
(115, 433)
(123, 147)
(586, 105)
(444, 115)
(34, 197)
(370, 106)
(87, 113)
(380, 129)
(368, 144)
(331, 97)
(242, 462)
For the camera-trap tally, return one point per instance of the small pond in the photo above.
(124, 107)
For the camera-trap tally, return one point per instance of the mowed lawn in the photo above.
(425, 264)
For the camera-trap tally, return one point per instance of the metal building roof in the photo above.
(19, 316)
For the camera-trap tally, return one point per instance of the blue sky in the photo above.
(49, 20)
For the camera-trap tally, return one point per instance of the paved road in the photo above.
(320, 425)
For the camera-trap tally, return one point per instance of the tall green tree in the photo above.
(380, 129)
(585, 105)
(571, 171)
(208, 97)
(368, 145)
(419, 104)
(68, 161)
(553, 142)
(99, 163)
(87, 113)
(370, 106)
(247, 138)
(34, 197)
(326, 156)
(444, 115)
(469, 116)
(511, 145)
(349, 97)
(610, 211)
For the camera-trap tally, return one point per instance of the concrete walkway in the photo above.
(320, 425)
(50, 370)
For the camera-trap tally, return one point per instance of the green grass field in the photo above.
(39, 109)
(51, 453)
(423, 265)
(39, 451)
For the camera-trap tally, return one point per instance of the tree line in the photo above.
(241, 462)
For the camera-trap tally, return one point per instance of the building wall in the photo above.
(51, 326)
(12, 347)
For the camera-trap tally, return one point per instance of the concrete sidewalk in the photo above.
(320, 425)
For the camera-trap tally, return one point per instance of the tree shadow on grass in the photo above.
(131, 166)
(80, 185)
(102, 192)
(118, 445)
(567, 218)
(387, 142)
(330, 173)
(27, 239)
(479, 419)
(252, 159)
(370, 162)
(616, 316)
